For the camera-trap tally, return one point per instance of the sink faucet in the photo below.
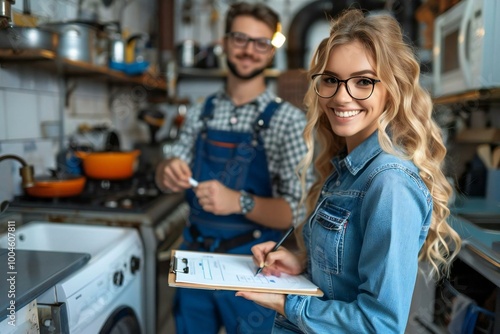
(26, 171)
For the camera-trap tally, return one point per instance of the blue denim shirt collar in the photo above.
(360, 156)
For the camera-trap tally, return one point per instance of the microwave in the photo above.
(466, 47)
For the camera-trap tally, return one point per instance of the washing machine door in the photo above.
(122, 321)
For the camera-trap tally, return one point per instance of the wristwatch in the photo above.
(246, 202)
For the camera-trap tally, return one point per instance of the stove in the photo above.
(134, 202)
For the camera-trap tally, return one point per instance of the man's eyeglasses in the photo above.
(241, 40)
(359, 88)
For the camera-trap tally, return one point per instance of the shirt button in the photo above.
(337, 183)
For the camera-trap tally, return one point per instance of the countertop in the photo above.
(478, 243)
(34, 273)
(475, 205)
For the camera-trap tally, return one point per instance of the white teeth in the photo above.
(346, 113)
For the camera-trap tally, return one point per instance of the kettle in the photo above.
(116, 48)
(135, 48)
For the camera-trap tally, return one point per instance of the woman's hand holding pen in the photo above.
(273, 263)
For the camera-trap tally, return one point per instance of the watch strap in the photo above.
(247, 202)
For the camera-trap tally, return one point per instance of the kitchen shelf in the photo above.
(469, 96)
(49, 59)
(478, 136)
(185, 72)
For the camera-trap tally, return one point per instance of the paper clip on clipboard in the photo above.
(180, 265)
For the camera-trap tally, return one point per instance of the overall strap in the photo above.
(207, 112)
(262, 122)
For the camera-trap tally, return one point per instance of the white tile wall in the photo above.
(22, 117)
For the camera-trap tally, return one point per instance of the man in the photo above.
(242, 145)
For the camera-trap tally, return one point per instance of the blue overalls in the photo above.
(238, 160)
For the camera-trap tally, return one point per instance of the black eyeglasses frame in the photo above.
(248, 39)
(373, 81)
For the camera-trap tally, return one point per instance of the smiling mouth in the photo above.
(345, 114)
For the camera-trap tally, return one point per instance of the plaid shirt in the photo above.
(283, 140)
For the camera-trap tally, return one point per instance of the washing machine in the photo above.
(106, 295)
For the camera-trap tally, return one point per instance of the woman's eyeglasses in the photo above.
(359, 88)
(241, 40)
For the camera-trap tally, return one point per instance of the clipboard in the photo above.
(216, 271)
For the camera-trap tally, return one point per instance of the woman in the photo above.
(380, 202)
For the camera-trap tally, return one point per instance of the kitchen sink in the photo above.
(65, 237)
(486, 221)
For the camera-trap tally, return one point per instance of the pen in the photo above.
(275, 248)
(193, 182)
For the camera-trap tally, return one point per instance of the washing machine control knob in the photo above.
(118, 278)
(135, 264)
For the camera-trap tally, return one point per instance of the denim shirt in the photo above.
(363, 240)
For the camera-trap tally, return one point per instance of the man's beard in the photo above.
(251, 75)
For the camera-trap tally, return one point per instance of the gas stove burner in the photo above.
(126, 203)
(111, 204)
(129, 195)
(142, 191)
(105, 184)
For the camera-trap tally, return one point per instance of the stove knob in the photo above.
(135, 264)
(118, 278)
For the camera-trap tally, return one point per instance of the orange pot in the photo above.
(109, 165)
(54, 187)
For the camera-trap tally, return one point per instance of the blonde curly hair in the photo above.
(408, 118)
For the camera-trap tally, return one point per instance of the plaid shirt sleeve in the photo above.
(184, 146)
(285, 156)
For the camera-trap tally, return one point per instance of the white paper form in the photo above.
(227, 270)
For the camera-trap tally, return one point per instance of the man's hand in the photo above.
(173, 175)
(216, 198)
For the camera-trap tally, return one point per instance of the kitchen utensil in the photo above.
(112, 142)
(187, 53)
(495, 157)
(135, 47)
(25, 38)
(154, 119)
(109, 165)
(53, 186)
(5, 13)
(78, 40)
